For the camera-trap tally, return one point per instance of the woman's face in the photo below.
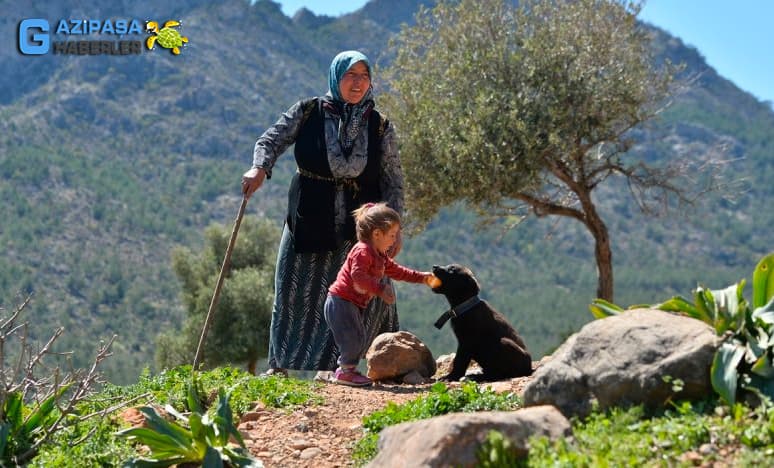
(355, 83)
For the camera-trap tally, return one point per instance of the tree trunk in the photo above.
(604, 257)
(602, 251)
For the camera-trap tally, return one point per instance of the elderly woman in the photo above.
(346, 155)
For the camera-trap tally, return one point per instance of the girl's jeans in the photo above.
(345, 320)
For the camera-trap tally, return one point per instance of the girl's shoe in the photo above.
(351, 377)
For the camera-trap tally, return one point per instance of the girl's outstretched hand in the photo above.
(432, 281)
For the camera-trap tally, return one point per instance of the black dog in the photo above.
(483, 334)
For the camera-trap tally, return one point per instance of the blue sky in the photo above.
(735, 37)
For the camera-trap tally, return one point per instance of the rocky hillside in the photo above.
(108, 162)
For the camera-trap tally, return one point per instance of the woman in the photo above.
(346, 155)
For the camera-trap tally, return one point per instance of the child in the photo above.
(359, 280)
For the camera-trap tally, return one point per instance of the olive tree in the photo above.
(526, 110)
(240, 328)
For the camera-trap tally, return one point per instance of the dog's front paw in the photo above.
(449, 378)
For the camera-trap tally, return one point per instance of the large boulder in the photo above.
(631, 358)
(453, 439)
(392, 356)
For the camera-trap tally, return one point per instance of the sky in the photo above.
(735, 37)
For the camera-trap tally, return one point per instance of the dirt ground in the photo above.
(322, 436)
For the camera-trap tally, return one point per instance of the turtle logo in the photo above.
(167, 37)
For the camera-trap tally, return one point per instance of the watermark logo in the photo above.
(74, 36)
(33, 36)
(167, 37)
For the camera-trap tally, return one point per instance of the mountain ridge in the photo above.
(107, 163)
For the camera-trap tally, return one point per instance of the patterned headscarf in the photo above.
(352, 115)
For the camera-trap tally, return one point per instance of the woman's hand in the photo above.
(252, 180)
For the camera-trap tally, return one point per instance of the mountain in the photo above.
(109, 162)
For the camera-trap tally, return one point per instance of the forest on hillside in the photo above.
(108, 164)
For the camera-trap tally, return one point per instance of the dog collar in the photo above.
(455, 312)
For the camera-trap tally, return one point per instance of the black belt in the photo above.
(349, 182)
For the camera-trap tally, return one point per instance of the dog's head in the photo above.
(457, 283)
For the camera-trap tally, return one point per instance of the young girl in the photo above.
(360, 279)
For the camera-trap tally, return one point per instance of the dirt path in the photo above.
(322, 436)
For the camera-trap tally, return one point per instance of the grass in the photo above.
(93, 443)
(683, 434)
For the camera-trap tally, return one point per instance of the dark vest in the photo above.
(311, 196)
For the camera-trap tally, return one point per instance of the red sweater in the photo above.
(359, 279)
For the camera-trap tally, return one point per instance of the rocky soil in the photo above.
(322, 436)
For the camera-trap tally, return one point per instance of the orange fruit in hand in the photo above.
(433, 282)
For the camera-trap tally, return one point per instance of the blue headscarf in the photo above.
(340, 64)
(352, 116)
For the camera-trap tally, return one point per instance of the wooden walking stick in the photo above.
(223, 271)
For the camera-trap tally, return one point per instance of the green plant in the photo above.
(204, 441)
(37, 401)
(22, 425)
(93, 443)
(735, 435)
(744, 357)
(497, 452)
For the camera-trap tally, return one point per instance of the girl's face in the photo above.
(383, 240)
(355, 83)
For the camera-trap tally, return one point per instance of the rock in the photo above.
(300, 444)
(623, 359)
(393, 355)
(414, 378)
(253, 416)
(443, 366)
(453, 439)
(133, 417)
(310, 453)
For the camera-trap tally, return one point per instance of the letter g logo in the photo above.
(33, 43)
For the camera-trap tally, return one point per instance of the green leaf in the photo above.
(40, 415)
(13, 410)
(730, 310)
(177, 414)
(762, 386)
(162, 426)
(194, 395)
(5, 432)
(763, 367)
(764, 314)
(680, 304)
(705, 303)
(724, 370)
(152, 462)
(224, 411)
(601, 308)
(763, 281)
(240, 457)
(212, 459)
(162, 446)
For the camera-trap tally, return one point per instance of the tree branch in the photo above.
(543, 208)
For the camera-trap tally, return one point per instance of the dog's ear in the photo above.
(472, 277)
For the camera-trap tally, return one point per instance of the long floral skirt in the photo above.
(299, 337)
